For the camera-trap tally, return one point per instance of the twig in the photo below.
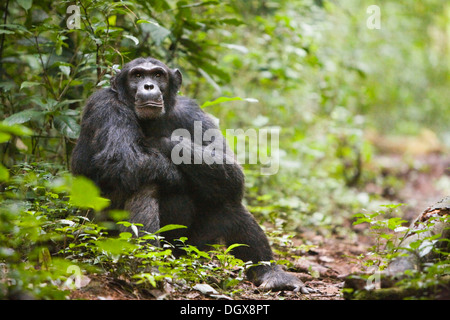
(3, 40)
(44, 70)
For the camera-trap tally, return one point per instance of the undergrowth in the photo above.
(389, 232)
(48, 240)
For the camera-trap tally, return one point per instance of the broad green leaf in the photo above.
(395, 222)
(65, 70)
(157, 32)
(7, 85)
(28, 84)
(416, 244)
(100, 30)
(16, 27)
(50, 104)
(4, 173)
(4, 137)
(361, 220)
(234, 246)
(425, 247)
(15, 129)
(68, 112)
(401, 229)
(4, 31)
(115, 246)
(85, 194)
(191, 249)
(170, 227)
(125, 235)
(26, 4)
(145, 277)
(118, 215)
(112, 20)
(67, 125)
(160, 5)
(24, 116)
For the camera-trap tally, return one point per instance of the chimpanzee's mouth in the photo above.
(151, 104)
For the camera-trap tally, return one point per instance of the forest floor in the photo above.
(333, 255)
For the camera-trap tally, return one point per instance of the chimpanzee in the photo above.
(126, 147)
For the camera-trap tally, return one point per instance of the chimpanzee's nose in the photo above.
(149, 86)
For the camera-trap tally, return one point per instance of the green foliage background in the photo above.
(317, 72)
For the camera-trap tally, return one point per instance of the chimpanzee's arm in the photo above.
(212, 176)
(110, 152)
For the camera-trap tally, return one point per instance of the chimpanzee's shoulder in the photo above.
(103, 102)
(187, 108)
(188, 111)
(187, 103)
(101, 95)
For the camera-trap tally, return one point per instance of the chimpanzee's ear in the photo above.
(113, 81)
(177, 78)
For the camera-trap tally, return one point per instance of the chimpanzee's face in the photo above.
(148, 84)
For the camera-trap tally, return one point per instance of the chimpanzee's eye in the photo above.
(138, 75)
(158, 74)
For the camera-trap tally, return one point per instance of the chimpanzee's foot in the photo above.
(276, 279)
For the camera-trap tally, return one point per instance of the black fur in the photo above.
(130, 160)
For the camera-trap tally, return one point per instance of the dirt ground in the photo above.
(323, 267)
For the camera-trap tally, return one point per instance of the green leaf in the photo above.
(234, 246)
(395, 222)
(211, 69)
(26, 4)
(231, 21)
(189, 249)
(65, 70)
(67, 125)
(157, 32)
(68, 112)
(85, 194)
(112, 20)
(125, 235)
(28, 84)
(160, 5)
(362, 220)
(144, 277)
(392, 206)
(7, 85)
(170, 227)
(16, 27)
(4, 173)
(4, 137)
(416, 244)
(129, 224)
(15, 129)
(24, 116)
(226, 99)
(135, 40)
(115, 246)
(118, 215)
